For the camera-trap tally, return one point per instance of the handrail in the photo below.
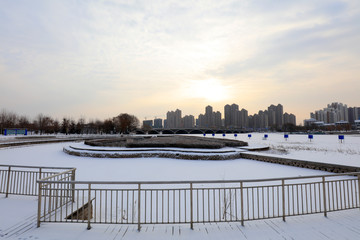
(43, 167)
(202, 181)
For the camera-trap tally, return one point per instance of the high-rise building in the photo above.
(217, 119)
(158, 123)
(227, 113)
(333, 113)
(189, 121)
(173, 119)
(209, 117)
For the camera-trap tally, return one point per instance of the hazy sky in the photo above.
(100, 58)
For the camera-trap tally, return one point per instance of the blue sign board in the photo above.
(204, 134)
(341, 137)
(213, 134)
(249, 135)
(265, 136)
(223, 134)
(15, 132)
(235, 135)
(286, 136)
(310, 136)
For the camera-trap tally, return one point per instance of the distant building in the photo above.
(158, 123)
(357, 124)
(189, 121)
(333, 113)
(147, 123)
(173, 119)
(289, 118)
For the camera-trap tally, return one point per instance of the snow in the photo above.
(15, 210)
(323, 148)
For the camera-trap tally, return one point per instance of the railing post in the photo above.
(283, 198)
(359, 188)
(73, 185)
(8, 182)
(324, 196)
(139, 206)
(89, 207)
(39, 204)
(191, 207)
(242, 203)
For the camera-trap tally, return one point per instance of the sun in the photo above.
(211, 90)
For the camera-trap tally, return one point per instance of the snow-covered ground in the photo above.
(324, 148)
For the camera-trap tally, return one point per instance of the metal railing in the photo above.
(21, 180)
(177, 202)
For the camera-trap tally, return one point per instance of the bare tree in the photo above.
(126, 123)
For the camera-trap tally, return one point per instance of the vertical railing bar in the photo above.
(214, 204)
(179, 206)
(116, 205)
(346, 183)
(208, 197)
(139, 206)
(242, 203)
(252, 202)
(185, 206)
(8, 182)
(122, 206)
(278, 199)
(191, 207)
(352, 193)
(56, 200)
(145, 210)
(247, 203)
(61, 200)
(39, 205)
(302, 198)
(268, 201)
(236, 203)
(168, 206)
(197, 205)
(332, 193)
(220, 216)
(162, 206)
(89, 207)
(127, 206)
(337, 195)
(111, 205)
(157, 206)
(324, 196)
(358, 204)
(283, 197)
(328, 199)
(174, 205)
(203, 205)
(297, 199)
(258, 202)
(83, 203)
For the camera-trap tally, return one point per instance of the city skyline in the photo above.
(98, 59)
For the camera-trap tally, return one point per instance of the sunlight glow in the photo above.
(211, 90)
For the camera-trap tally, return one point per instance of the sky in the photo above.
(97, 59)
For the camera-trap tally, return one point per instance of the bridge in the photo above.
(190, 131)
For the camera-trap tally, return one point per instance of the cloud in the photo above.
(71, 56)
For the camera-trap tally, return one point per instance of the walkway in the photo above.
(18, 221)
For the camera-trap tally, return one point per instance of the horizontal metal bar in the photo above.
(201, 182)
(43, 167)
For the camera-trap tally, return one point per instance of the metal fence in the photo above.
(196, 201)
(21, 180)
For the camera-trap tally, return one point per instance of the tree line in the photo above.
(45, 124)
